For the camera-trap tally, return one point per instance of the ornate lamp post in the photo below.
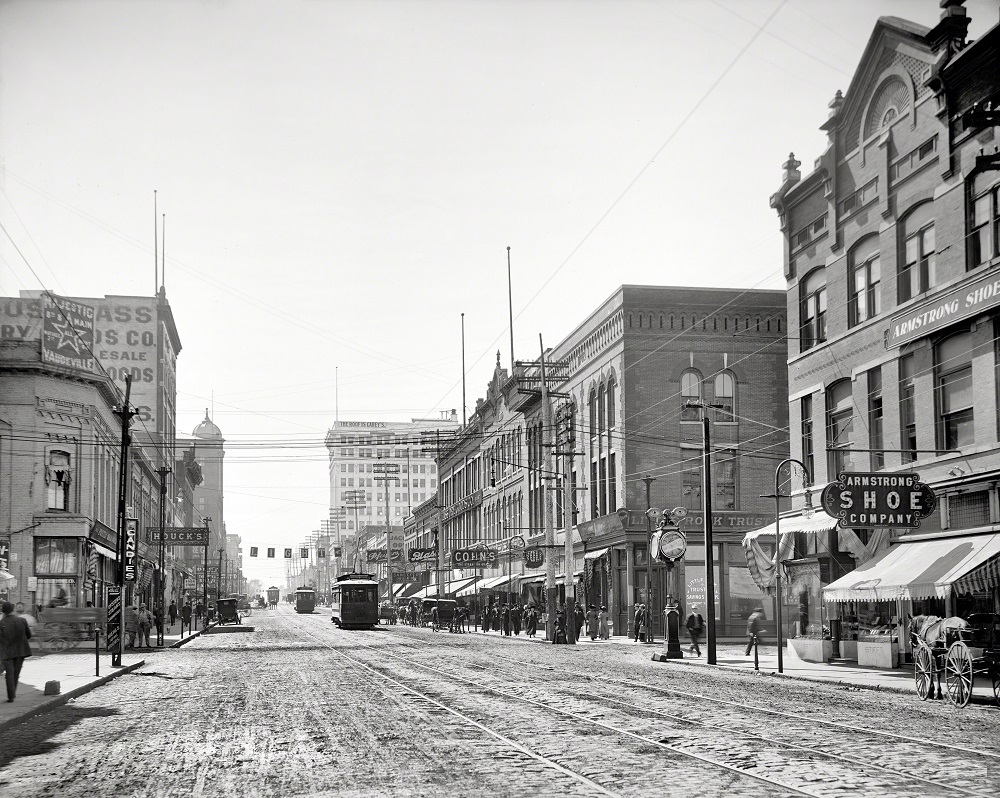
(808, 510)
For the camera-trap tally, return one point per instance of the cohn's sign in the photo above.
(878, 500)
(480, 556)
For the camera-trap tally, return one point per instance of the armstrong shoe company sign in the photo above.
(957, 305)
(874, 500)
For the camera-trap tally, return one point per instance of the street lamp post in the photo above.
(649, 562)
(778, 496)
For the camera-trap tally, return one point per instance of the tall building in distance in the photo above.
(355, 447)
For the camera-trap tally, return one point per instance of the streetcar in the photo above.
(273, 597)
(305, 600)
(354, 601)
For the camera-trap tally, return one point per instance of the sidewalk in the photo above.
(76, 673)
(730, 656)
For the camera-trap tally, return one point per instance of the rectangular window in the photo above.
(907, 410)
(593, 490)
(953, 364)
(808, 453)
(913, 160)
(918, 273)
(864, 302)
(967, 510)
(55, 556)
(724, 472)
(808, 233)
(58, 476)
(875, 436)
(612, 485)
(691, 478)
(985, 226)
(603, 486)
(859, 199)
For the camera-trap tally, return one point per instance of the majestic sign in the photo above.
(67, 333)
(534, 557)
(178, 535)
(423, 555)
(131, 562)
(877, 500)
(956, 305)
(480, 556)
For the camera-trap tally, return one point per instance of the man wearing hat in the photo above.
(145, 619)
(14, 647)
(695, 626)
(755, 628)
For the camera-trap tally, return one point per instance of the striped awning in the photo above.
(924, 568)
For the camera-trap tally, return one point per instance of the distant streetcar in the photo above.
(354, 601)
(305, 599)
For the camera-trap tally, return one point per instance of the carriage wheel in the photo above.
(923, 672)
(958, 674)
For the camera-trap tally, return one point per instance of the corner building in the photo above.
(891, 256)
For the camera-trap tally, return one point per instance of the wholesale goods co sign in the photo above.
(878, 500)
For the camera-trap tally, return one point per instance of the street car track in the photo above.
(768, 710)
(836, 756)
(422, 696)
(617, 730)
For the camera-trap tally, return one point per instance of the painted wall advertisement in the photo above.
(121, 331)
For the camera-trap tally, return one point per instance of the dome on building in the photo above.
(206, 429)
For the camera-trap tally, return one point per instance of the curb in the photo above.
(191, 636)
(63, 698)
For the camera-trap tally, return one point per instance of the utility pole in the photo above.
(162, 471)
(550, 532)
(385, 473)
(706, 425)
(204, 601)
(116, 601)
(218, 579)
(570, 569)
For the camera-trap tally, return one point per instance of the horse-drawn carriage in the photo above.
(958, 648)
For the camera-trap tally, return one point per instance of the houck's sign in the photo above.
(875, 500)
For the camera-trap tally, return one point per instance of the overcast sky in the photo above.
(341, 181)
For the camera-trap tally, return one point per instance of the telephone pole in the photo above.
(550, 532)
(204, 602)
(162, 471)
(116, 599)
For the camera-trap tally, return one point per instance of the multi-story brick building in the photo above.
(893, 302)
(62, 361)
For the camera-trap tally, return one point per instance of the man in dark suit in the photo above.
(14, 634)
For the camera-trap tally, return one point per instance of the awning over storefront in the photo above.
(409, 589)
(6, 578)
(593, 555)
(497, 582)
(531, 579)
(469, 590)
(448, 589)
(761, 561)
(924, 568)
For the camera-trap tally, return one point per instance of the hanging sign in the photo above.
(481, 556)
(878, 500)
(178, 535)
(131, 551)
(422, 555)
(114, 618)
(534, 557)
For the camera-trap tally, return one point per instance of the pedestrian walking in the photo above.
(755, 627)
(158, 620)
(199, 610)
(505, 620)
(144, 618)
(19, 611)
(696, 626)
(592, 621)
(531, 622)
(638, 623)
(578, 617)
(560, 628)
(186, 616)
(172, 613)
(515, 619)
(603, 631)
(14, 647)
(131, 626)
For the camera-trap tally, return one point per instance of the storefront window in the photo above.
(55, 556)
(56, 592)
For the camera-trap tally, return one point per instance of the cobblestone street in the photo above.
(297, 707)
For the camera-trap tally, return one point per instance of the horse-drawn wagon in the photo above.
(959, 649)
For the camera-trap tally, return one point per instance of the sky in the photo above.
(341, 181)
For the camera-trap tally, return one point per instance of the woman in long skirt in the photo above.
(602, 624)
(592, 621)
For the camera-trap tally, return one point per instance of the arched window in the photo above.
(839, 424)
(690, 392)
(593, 413)
(953, 384)
(725, 395)
(612, 421)
(917, 271)
(812, 309)
(863, 290)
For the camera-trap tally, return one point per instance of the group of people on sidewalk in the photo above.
(139, 622)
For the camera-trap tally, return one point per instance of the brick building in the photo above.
(891, 251)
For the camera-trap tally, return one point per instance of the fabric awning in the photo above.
(409, 589)
(497, 582)
(927, 568)
(819, 521)
(469, 590)
(593, 555)
(447, 589)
